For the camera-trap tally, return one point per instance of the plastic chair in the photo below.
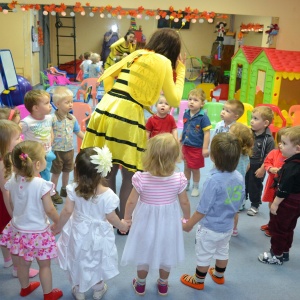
(294, 113)
(85, 84)
(45, 81)
(182, 108)
(82, 112)
(188, 86)
(220, 92)
(275, 126)
(207, 88)
(246, 117)
(23, 111)
(213, 111)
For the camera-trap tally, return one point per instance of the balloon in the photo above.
(16, 97)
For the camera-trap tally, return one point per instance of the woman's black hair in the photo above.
(128, 33)
(166, 42)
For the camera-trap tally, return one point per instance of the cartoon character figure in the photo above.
(221, 31)
(274, 29)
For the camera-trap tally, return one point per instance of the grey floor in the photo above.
(245, 277)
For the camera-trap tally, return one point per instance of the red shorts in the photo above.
(193, 157)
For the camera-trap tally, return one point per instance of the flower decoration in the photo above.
(103, 160)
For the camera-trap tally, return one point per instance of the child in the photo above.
(85, 64)
(262, 117)
(9, 138)
(222, 195)
(64, 124)
(155, 239)
(232, 110)
(162, 121)
(95, 69)
(286, 205)
(28, 234)
(86, 248)
(38, 125)
(7, 113)
(195, 138)
(245, 136)
(272, 164)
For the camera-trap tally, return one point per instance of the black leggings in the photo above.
(126, 186)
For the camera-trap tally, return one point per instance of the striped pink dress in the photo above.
(155, 238)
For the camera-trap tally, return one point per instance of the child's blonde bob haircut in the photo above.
(60, 93)
(162, 153)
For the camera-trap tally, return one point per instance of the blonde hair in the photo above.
(7, 131)
(199, 93)
(33, 97)
(160, 98)
(161, 155)
(236, 106)
(280, 133)
(23, 157)
(60, 93)
(245, 136)
(225, 151)
(265, 112)
(94, 57)
(293, 134)
(6, 111)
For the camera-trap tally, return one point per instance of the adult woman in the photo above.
(121, 48)
(118, 120)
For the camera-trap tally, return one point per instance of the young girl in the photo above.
(273, 162)
(155, 239)
(7, 113)
(86, 248)
(28, 234)
(245, 136)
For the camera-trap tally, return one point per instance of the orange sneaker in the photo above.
(267, 233)
(190, 281)
(264, 227)
(218, 280)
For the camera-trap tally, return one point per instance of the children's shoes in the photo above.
(139, 288)
(53, 295)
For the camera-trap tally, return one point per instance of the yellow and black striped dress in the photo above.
(118, 120)
(118, 49)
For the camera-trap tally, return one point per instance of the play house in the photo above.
(275, 72)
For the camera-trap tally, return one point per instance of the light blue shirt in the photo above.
(223, 193)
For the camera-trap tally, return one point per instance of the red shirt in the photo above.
(157, 125)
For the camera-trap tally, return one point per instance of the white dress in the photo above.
(86, 247)
(155, 237)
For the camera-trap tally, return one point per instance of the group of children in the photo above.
(91, 66)
(158, 207)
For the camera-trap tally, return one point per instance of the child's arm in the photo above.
(114, 220)
(80, 134)
(5, 193)
(260, 172)
(269, 163)
(196, 218)
(275, 204)
(64, 216)
(185, 204)
(205, 150)
(49, 208)
(175, 133)
(148, 134)
(130, 204)
(52, 136)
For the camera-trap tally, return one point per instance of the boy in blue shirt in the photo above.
(222, 195)
(195, 138)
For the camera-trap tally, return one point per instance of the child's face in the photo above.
(41, 163)
(65, 105)
(287, 148)
(15, 140)
(44, 107)
(162, 107)
(258, 124)
(228, 115)
(195, 104)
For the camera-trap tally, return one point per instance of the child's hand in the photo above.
(54, 229)
(260, 173)
(124, 226)
(274, 170)
(186, 227)
(205, 152)
(273, 208)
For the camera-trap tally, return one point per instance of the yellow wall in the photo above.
(15, 27)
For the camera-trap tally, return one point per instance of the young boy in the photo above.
(262, 117)
(285, 209)
(64, 124)
(95, 68)
(232, 111)
(162, 121)
(222, 194)
(38, 125)
(85, 64)
(195, 138)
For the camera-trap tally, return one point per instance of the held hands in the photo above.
(185, 225)
(259, 173)
(54, 229)
(125, 226)
(274, 170)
